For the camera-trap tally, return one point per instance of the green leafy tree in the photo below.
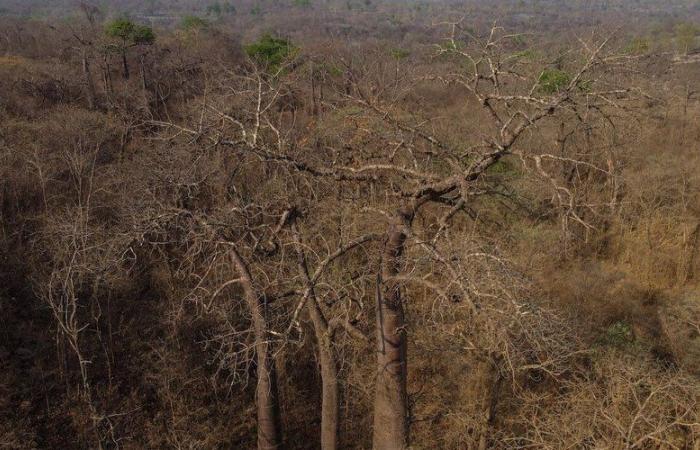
(129, 34)
(270, 51)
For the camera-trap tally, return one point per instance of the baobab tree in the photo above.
(405, 167)
(512, 102)
(128, 34)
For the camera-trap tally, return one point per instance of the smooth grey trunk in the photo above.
(266, 392)
(390, 398)
(330, 392)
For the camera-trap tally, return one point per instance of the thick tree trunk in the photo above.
(266, 394)
(314, 103)
(330, 393)
(142, 69)
(89, 85)
(125, 64)
(107, 77)
(390, 401)
(330, 398)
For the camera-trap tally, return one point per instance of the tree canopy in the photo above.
(129, 32)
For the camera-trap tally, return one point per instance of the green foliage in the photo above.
(120, 28)
(553, 80)
(218, 9)
(270, 51)
(129, 32)
(618, 335)
(302, 3)
(585, 85)
(451, 45)
(193, 23)
(637, 46)
(400, 53)
(332, 70)
(503, 167)
(525, 54)
(143, 35)
(519, 40)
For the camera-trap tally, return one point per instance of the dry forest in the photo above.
(350, 224)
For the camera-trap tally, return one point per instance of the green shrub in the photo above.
(129, 32)
(553, 80)
(525, 54)
(270, 51)
(399, 53)
(618, 335)
(638, 46)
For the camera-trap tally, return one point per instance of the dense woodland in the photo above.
(350, 224)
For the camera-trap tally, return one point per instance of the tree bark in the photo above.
(90, 86)
(142, 68)
(266, 393)
(125, 64)
(390, 397)
(330, 392)
(107, 77)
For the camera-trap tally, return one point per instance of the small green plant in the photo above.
(332, 70)
(618, 335)
(552, 81)
(302, 3)
(451, 45)
(525, 54)
(585, 85)
(519, 40)
(400, 53)
(270, 51)
(503, 167)
(637, 46)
